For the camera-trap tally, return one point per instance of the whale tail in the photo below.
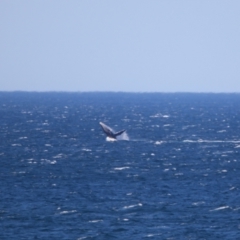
(119, 133)
(109, 132)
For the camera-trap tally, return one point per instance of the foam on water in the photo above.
(108, 139)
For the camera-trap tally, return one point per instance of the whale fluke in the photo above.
(109, 132)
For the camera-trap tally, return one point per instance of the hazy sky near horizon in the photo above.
(133, 46)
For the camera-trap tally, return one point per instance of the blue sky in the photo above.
(132, 46)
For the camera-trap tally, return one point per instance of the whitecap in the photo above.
(153, 235)
(220, 208)
(49, 161)
(187, 126)
(95, 221)
(167, 164)
(198, 203)
(86, 150)
(132, 206)
(158, 142)
(188, 141)
(60, 155)
(221, 131)
(16, 145)
(210, 141)
(67, 212)
(178, 174)
(22, 138)
(121, 168)
(46, 131)
(155, 126)
(156, 115)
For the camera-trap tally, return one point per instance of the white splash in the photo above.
(123, 136)
(108, 139)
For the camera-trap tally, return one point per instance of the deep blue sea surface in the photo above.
(178, 176)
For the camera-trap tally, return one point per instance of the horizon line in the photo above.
(146, 92)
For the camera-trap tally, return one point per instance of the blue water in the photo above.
(176, 178)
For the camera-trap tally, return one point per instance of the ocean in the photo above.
(176, 177)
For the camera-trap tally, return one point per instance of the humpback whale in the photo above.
(109, 132)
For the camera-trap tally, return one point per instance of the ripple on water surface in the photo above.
(177, 176)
